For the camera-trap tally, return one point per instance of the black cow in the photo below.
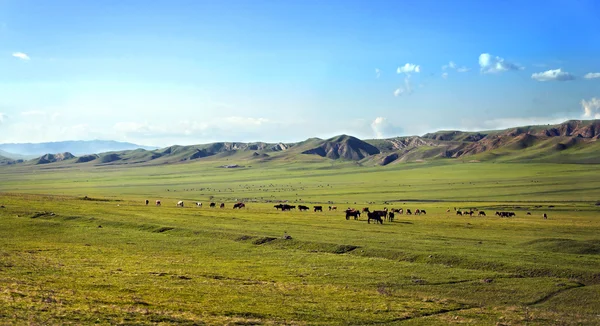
(459, 213)
(376, 217)
(303, 208)
(222, 205)
(545, 216)
(391, 216)
(279, 206)
(212, 205)
(408, 212)
(147, 202)
(481, 213)
(239, 205)
(318, 208)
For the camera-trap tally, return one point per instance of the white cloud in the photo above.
(462, 69)
(592, 75)
(33, 113)
(591, 108)
(445, 75)
(406, 89)
(21, 55)
(452, 65)
(377, 72)
(382, 128)
(492, 64)
(556, 74)
(408, 68)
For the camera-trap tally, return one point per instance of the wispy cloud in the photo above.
(453, 66)
(592, 75)
(495, 64)
(408, 68)
(377, 72)
(591, 108)
(21, 55)
(553, 75)
(406, 89)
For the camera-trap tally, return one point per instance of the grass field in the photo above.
(113, 260)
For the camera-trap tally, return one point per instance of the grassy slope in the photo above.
(207, 268)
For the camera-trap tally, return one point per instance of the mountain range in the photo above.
(574, 141)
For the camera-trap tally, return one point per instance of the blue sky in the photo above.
(186, 72)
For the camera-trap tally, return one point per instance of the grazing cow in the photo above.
(239, 205)
(278, 206)
(212, 205)
(418, 212)
(180, 203)
(545, 216)
(400, 211)
(373, 216)
(303, 208)
(158, 203)
(408, 212)
(365, 210)
(318, 208)
(199, 204)
(423, 212)
(391, 216)
(481, 213)
(459, 213)
(147, 202)
(333, 208)
(352, 212)
(528, 213)
(222, 205)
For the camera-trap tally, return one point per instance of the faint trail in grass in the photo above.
(555, 293)
(428, 314)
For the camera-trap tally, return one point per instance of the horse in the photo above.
(352, 212)
(373, 216)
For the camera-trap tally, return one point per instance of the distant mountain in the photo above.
(575, 141)
(14, 156)
(346, 147)
(75, 147)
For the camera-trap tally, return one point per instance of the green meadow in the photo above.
(79, 246)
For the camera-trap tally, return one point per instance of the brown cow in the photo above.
(158, 203)
(222, 205)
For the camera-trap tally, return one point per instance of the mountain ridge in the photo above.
(573, 141)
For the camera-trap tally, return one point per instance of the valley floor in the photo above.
(107, 258)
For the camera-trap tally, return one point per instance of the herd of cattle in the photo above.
(377, 215)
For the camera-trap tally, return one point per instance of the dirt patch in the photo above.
(263, 240)
(342, 249)
(163, 229)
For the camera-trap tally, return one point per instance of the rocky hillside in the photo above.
(573, 141)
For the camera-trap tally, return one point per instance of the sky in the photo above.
(189, 72)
